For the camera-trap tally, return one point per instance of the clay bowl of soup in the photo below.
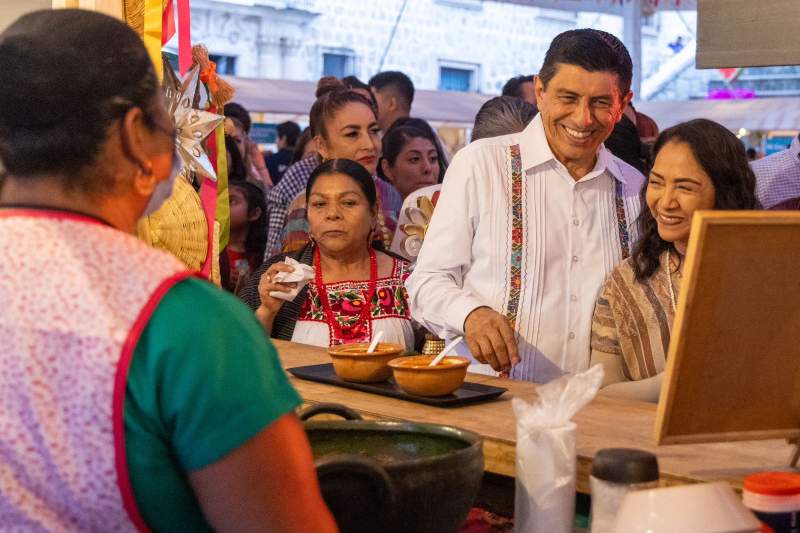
(414, 376)
(351, 362)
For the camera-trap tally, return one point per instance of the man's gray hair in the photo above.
(502, 115)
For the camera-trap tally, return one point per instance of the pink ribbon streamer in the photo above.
(184, 37)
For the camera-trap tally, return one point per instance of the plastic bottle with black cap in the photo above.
(615, 472)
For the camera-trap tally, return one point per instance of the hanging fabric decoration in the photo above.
(208, 199)
(153, 15)
(184, 36)
(223, 201)
(168, 22)
(216, 205)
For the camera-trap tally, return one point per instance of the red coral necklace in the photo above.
(334, 327)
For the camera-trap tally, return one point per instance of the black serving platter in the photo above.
(466, 394)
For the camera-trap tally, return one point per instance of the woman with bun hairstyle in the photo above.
(344, 125)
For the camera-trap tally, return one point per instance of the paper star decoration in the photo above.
(192, 125)
(420, 217)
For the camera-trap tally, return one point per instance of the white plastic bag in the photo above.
(545, 482)
(301, 275)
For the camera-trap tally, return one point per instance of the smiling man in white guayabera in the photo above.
(533, 222)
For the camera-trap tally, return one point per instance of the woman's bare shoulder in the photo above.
(386, 264)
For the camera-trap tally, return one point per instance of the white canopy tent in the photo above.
(757, 114)
(286, 97)
(458, 109)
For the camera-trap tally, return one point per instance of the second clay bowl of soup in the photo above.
(414, 376)
(351, 362)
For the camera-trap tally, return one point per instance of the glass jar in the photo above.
(616, 472)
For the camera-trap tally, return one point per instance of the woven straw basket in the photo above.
(179, 226)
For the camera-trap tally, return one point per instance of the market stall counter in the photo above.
(604, 423)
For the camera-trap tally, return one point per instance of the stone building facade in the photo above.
(471, 45)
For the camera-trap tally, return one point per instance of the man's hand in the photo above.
(490, 338)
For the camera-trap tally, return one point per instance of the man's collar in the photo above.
(535, 150)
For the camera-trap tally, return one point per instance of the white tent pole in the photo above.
(632, 37)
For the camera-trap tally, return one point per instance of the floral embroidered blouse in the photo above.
(390, 312)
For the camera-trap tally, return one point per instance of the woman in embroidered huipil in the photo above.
(357, 290)
(698, 165)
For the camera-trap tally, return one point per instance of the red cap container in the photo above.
(774, 497)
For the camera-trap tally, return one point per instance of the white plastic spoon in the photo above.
(438, 358)
(375, 340)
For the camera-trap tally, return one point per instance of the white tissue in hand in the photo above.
(301, 275)
(545, 480)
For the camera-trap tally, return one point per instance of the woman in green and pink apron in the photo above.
(132, 396)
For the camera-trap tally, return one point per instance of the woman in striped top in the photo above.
(698, 165)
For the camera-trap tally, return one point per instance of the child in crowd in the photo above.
(248, 239)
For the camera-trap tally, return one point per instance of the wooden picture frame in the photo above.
(733, 366)
(747, 33)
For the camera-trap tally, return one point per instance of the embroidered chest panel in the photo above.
(348, 298)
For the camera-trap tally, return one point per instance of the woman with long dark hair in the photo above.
(410, 160)
(698, 165)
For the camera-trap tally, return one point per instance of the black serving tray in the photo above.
(466, 394)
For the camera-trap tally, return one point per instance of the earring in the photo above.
(147, 168)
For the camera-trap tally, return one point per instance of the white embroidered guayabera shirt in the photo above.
(515, 232)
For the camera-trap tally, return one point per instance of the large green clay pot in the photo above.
(381, 476)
